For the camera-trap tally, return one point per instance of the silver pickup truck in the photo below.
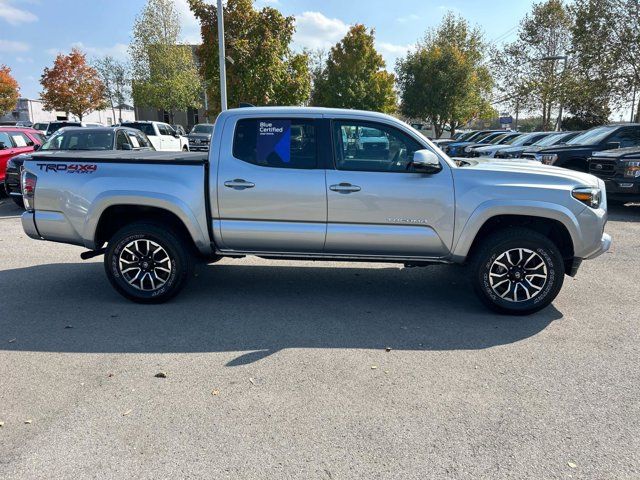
(299, 183)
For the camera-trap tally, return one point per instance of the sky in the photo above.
(32, 32)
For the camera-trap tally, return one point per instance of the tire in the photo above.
(185, 149)
(513, 254)
(124, 253)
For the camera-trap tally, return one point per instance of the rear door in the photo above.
(271, 185)
(377, 204)
(168, 139)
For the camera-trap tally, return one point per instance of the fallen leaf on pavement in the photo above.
(1, 424)
(161, 375)
(124, 414)
(388, 349)
(373, 367)
(253, 382)
(215, 392)
(12, 340)
(110, 375)
(572, 465)
(28, 422)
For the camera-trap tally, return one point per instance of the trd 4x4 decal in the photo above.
(69, 168)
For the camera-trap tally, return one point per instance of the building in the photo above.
(28, 110)
(187, 118)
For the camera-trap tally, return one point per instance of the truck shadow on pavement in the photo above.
(259, 309)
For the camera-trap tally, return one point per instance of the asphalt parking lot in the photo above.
(281, 370)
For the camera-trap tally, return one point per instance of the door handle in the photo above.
(239, 184)
(344, 188)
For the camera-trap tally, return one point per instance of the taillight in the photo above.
(28, 183)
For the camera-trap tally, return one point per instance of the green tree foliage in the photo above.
(115, 77)
(606, 44)
(261, 68)
(523, 77)
(164, 72)
(445, 79)
(354, 75)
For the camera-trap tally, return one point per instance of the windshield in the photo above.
(466, 136)
(79, 139)
(493, 138)
(549, 139)
(40, 126)
(511, 139)
(593, 136)
(55, 126)
(370, 132)
(146, 128)
(522, 139)
(202, 129)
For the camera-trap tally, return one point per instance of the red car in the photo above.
(14, 141)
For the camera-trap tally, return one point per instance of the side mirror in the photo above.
(612, 145)
(425, 161)
(36, 147)
(2, 146)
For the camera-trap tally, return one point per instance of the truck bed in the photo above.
(122, 156)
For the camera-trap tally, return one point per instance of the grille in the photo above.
(602, 168)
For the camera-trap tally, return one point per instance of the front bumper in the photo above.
(198, 148)
(622, 189)
(605, 244)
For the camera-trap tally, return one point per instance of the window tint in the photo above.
(626, 137)
(5, 141)
(147, 128)
(122, 140)
(372, 147)
(276, 142)
(80, 139)
(165, 129)
(21, 140)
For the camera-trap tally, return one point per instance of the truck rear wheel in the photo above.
(148, 263)
(517, 271)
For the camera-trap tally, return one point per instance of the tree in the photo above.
(9, 90)
(261, 68)
(164, 73)
(354, 75)
(115, 77)
(445, 80)
(606, 44)
(72, 86)
(523, 76)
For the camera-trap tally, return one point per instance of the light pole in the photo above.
(221, 55)
(564, 69)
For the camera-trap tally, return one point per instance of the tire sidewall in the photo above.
(167, 290)
(555, 271)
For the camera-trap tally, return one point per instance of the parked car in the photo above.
(77, 138)
(162, 135)
(41, 127)
(456, 149)
(620, 170)
(574, 154)
(53, 127)
(180, 130)
(516, 148)
(495, 139)
(522, 140)
(200, 136)
(442, 142)
(14, 141)
(530, 152)
(253, 194)
(371, 140)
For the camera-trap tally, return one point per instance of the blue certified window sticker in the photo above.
(274, 141)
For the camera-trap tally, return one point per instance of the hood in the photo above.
(201, 136)
(628, 152)
(521, 167)
(567, 148)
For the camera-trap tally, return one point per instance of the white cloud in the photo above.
(189, 23)
(117, 51)
(24, 59)
(14, 15)
(13, 46)
(314, 30)
(391, 52)
(412, 17)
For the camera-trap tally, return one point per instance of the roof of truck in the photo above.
(302, 111)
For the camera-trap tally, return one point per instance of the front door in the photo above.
(271, 187)
(377, 204)
(167, 138)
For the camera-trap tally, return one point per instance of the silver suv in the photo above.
(300, 183)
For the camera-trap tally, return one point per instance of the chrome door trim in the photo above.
(323, 256)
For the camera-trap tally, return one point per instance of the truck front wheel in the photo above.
(517, 271)
(148, 263)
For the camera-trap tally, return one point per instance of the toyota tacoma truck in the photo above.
(620, 170)
(518, 227)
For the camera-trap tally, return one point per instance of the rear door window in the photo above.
(5, 141)
(276, 142)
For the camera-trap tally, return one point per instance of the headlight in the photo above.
(548, 158)
(467, 149)
(632, 169)
(591, 197)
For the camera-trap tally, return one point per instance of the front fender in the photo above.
(196, 228)
(492, 208)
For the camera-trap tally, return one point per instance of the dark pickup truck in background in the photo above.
(620, 170)
(575, 153)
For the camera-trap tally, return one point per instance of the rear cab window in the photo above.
(277, 142)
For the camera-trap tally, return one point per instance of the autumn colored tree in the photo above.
(261, 67)
(9, 90)
(72, 86)
(354, 75)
